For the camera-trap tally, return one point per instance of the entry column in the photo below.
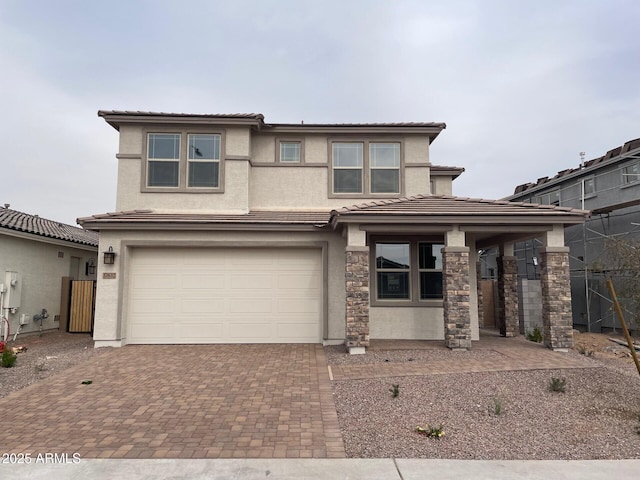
(456, 291)
(508, 292)
(356, 290)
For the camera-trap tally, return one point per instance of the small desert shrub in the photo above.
(584, 351)
(395, 390)
(558, 384)
(8, 357)
(496, 407)
(535, 335)
(431, 431)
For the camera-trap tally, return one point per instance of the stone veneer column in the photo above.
(357, 298)
(457, 320)
(557, 322)
(508, 296)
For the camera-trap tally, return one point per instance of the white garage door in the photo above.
(225, 295)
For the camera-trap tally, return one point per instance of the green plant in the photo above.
(557, 384)
(535, 335)
(496, 408)
(8, 357)
(431, 431)
(395, 390)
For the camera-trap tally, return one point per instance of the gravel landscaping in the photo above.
(45, 355)
(492, 415)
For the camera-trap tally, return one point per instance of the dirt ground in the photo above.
(598, 345)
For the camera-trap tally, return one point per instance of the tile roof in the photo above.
(253, 217)
(611, 155)
(388, 124)
(23, 222)
(442, 205)
(254, 116)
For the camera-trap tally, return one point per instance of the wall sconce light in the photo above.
(109, 256)
(90, 267)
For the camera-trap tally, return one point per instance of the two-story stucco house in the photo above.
(229, 229)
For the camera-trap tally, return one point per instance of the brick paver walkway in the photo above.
(196, 401)
(501, 354)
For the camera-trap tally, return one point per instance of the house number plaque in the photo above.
(109, 275)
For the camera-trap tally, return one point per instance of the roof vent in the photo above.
(7, 205)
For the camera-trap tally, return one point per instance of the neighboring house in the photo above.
(609, 186)
(232, 230)
(35, 255)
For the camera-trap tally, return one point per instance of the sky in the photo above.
(523, 86)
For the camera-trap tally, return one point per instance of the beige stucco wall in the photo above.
(416, 323)
(111, 301)
(416, 149)
(442, 185)
(40, 271)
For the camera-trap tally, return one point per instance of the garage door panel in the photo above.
(252, 331)
(153, 306)
(157, 331)
(251, 305)
(296, 330)
(205, 306)
(225, 295)
(298, 305)
(155, 281)
(298, 281)
(206, 281)
(251, 281)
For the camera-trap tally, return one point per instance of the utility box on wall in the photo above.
(13, 284)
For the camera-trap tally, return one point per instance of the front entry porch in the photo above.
(387, 275)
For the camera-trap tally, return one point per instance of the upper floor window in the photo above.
(177, 160)
(366, 167)
(631, 173)
(204, 161)
(551, 198)
(163, 167)
(589, 186)
(290, 151)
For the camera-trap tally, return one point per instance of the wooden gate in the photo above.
(489, 293)
(82, 306)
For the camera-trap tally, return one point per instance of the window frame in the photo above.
(592, 180)
(183, 161)
(284, 140)
(414, 299)
(545, 198)
(366, 191)
(626, 176)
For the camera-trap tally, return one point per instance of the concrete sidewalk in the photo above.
(334, 469)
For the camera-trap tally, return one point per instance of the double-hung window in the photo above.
(384, 164)
(163, 153)
(183, 161)
(365, 168)
(204, 160)
(347, 167)
(407, 272)
(631, 174)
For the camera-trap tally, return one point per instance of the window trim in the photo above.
(183, 161)
(625, 176)
(414, 272)
(366, 167)
(280, 141)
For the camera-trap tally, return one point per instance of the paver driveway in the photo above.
(196, 401)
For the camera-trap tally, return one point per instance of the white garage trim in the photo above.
(225, 295)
